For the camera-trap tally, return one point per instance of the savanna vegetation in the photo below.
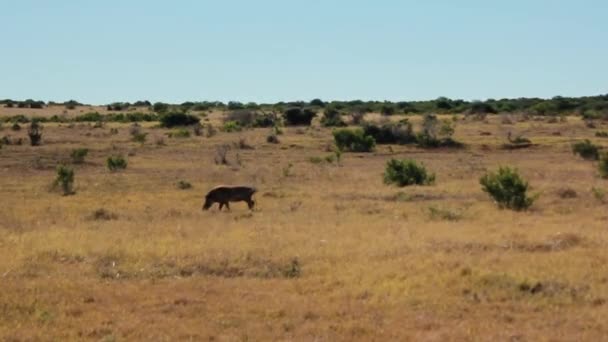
(370, 223)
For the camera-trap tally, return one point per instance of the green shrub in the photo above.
(599, 194)
(601, 134)
(406, 172)
(507, 188)
(174, 119)
(180, 133)
(232, 126)
(297, 116)
(79, 154)
(92, 117)
(332, 118)
(116, 163)
(160, 107)
(35, 133)
(587, 150)
(353, 140)
(390, 133)
(603, 165)
(65, 179)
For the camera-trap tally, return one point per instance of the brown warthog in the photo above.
(223, 194)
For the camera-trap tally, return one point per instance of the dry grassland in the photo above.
(330, 253)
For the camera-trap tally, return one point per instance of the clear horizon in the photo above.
(271, 51)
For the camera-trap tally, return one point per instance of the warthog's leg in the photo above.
(250, 203)
(221, 205)
(227, 206)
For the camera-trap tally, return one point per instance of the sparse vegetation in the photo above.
(587, 150)
(601, 134)
(78, 155)
(407, 172)
(603, 165)
(507, 188)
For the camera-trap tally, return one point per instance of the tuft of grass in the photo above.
(436, 213)
(603, 165)
(184, 185)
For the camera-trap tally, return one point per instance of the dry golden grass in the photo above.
(329, 254)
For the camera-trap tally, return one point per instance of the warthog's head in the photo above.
(207, 204)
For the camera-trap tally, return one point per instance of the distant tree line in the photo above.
(555, 106)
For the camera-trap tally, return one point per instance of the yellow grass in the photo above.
(330, 253)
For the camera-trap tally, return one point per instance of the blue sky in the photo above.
(272, 50)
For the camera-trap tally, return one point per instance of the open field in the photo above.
(329, 254)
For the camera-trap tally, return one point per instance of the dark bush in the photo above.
(353, 140)
(391, 133)
(160, 107)
(507, 188)
(297, 116)
(116, 163)
(35, 133)
(16, 127)
(265, 120)
(406, 172)
(587, 150)
(174, 119)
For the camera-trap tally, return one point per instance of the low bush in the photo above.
(65, 179)
(507, 188)
(139, 137)
(78, 155)
(603, 165)
(353, 140)
(587, 150)
(16, 127)
(332, 118)
(407, 172)
(232, 126)
(180, 133)
(601, 134)
(175, 119)
(116, 163)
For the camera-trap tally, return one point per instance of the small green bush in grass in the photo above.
(507, 188)
(116, 163)
(407, 172)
